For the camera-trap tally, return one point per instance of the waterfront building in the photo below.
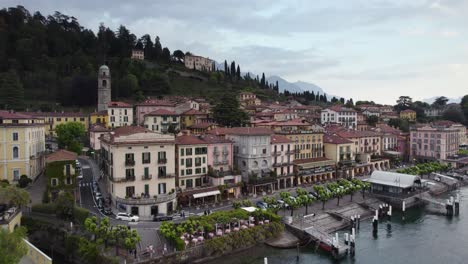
(436, 141)
(338, 114)
(104, 87)
(282, 159)
(198, 63)
(61, 173)
(307, 143)
(408, 114)
(120, 114)
(192, 163)
(391, 184)
(161, 120)
(22, 146)
(340, 150)
(139, 168)
(314, 170)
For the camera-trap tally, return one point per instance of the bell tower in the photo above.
(104, 87)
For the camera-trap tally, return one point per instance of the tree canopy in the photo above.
(228, 113)
(12, 246)
(70, 136)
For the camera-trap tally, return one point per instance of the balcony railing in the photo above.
(166, 175)
(126, 179)
(276, 153)
(162, 161)
(146, 177)
(220, 162)
(225, 152)
(161, 198)
(129, 162)
(290, 152)
(216, 152)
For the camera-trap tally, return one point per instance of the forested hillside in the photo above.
(51, 61)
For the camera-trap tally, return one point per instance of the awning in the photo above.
(205, 194)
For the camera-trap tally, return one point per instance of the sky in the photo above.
(364, 49)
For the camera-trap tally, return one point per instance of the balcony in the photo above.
(225, 152)
(216, 152)
(164, 122)
(220, 162)
(129, 162)
(161, 198)
(162, 161)
(290, 152)
(146, 177)
(166, 175)
(126, 179)
(276, 153)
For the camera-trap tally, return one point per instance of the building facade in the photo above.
(120, 114)
(22, 146)
(307, 143)
(161, 120)
(408, 114)
(434, 142)
(61, 173)
(344, 116)
(192, 164)
(198, 63)
(138, 54)
(149, 106)
(139, 166)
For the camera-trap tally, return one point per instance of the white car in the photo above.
(127, 217)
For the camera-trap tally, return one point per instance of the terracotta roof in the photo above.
(278, 139)
(193, 112)
(153, 102)
(241, 131)
(408, 111)
(339, 108)
(334, 139)
(55, 114)
(118, 104)
(103, 112)
(128, 130)
(356, 134)
(15, 115)
(300, 161)
(190, 140)
(445, 123)
(202, 125)
(213, 139)
(160, 112)
(61, 155)
(98, 128)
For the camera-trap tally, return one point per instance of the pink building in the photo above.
(434, 142)
(282, 155)
(149, 106)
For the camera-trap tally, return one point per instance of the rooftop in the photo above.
(119, 104)
(61, 155)
(278, 139)
(161, 112)
(393, 179)
(190, 140)
(339, 108)
(334, 139)
(193, 112)
(154, 102)
(244, 131)
(98, 128)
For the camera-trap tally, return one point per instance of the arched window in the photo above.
(15, 152)
(264, 163)
(104, 83)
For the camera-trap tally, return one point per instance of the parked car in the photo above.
(80, 176)
(282, 204)
(98, 195)
(127, 217)
(261, 205)
(106, 211)
(161, 217)
(314, 194)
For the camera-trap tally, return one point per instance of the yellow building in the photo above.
(100, 117)
(191, 117)
(22, 146)
(53, 119)
(307, 143)
(408, 114)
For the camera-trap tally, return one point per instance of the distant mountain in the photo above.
(309, 87)
(284, 85)
(430, 100)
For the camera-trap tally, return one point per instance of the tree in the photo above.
(238, 72)
(226, 69)
(440, 102)
(172, 129)
(127, 86)
(166, 55)
(228, 113)
(70, 135)
(179, 55)
(233, 69)
(262, 81)
(372, 120)
(403, 103)
(305, 198)
(24, 181)
(323, 193)
(11, 91)
(64, 205)
(12, 246)
(464, 107)
(13, 196)
(454, 114)
(157, 49)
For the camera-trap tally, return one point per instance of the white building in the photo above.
(192, 167)
(138, 54)
(120, 114)
(139, 166)
(161, 119)
(339, 115)
(198, 63)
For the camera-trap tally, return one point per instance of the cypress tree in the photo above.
(238, 72)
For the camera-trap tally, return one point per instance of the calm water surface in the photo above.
(420, 238)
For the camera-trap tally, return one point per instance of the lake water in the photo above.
(420, 238)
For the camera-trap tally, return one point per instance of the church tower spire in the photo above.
(104, 87)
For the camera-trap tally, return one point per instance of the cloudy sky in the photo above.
(364, 49)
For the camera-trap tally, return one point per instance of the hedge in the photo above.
(43, 208)
(80, 214)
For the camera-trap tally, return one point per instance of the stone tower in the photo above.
(104, 87)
